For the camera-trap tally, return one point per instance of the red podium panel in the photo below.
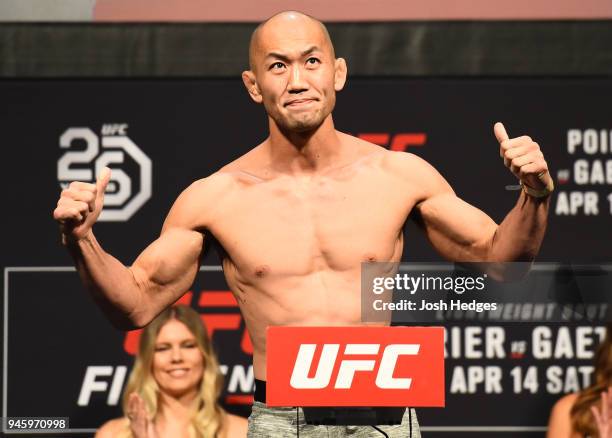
(355, 366)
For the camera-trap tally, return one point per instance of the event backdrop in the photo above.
(62, 358)
(339, 10)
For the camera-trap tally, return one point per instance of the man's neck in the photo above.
(304, 152)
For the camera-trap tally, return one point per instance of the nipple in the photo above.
(261, 271)
(370, 258)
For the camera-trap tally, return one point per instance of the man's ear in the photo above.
(248, 77)
(340, 74)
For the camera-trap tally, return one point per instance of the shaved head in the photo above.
(283, 21)
(294, 72)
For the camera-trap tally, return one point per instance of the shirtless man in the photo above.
(298, 214)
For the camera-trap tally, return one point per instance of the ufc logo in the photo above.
(355, 366)
(348, 367)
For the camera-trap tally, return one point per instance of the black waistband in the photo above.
(260, 391)
(341, 415)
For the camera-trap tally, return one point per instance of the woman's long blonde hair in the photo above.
(582, 418)
(207, 420)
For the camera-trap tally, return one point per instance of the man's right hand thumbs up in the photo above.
(79, 207)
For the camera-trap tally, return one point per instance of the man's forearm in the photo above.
(519, 237)
(110, 283)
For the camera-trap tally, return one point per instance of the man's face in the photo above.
(295, 73)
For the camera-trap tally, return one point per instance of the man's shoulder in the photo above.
(197, 204)
(227, 177)
(195, 207)
(246, 169)
(206, 188)
(401, 167)
(406, 165)
(411, 172)
(378, 155)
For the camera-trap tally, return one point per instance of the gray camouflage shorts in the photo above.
(272, 422)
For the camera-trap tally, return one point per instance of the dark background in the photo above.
(177, 88)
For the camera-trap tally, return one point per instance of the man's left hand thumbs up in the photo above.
(525, 160)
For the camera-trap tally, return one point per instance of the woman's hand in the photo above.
(603, 415)
(141, 424)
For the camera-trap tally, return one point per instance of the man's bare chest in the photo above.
(296, 227)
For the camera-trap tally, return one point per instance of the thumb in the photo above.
(500, 132)
(102, 181)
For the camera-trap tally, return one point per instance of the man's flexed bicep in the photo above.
(462, 232)
(165, 270)
(132, 296)
(457, 230)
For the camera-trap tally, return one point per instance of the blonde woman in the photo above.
(175, 384)
(587, 413)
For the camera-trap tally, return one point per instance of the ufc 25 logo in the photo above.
(126, 192)
(348, 367)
